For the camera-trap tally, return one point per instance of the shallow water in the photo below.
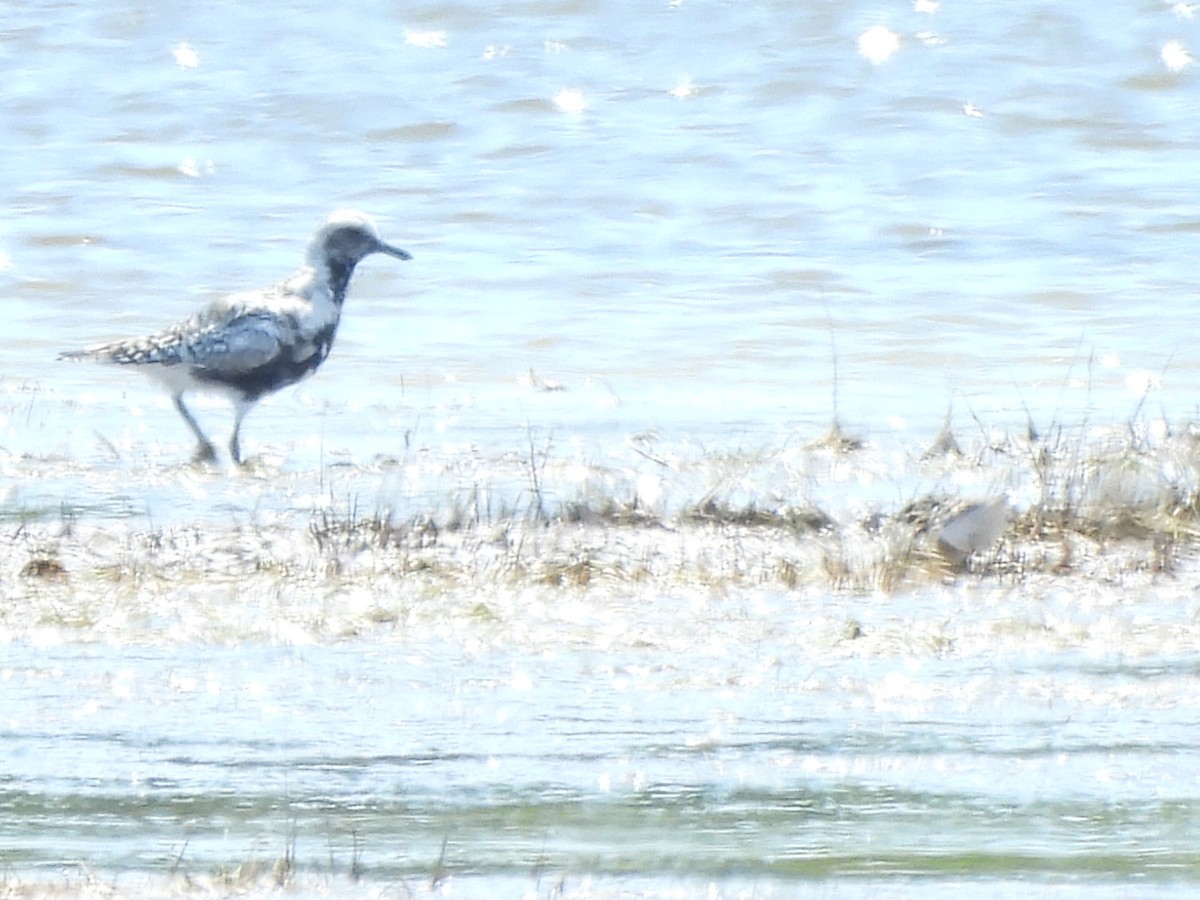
(697, 735)
(751, 740)
(656, 252)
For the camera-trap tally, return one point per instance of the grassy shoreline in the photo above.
(1095, 509)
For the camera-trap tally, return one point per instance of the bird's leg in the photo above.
(235, 448)
(205, 451)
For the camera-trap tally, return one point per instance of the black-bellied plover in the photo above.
(249, 344)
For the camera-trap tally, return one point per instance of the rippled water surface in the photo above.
(658, 248)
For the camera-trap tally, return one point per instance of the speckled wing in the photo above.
(219, 340)
(226, 339)
(240, 343)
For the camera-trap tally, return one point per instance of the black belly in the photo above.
(285, 369)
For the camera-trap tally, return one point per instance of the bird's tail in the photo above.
(76, 355)
(99, 353)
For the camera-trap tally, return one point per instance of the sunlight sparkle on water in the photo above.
(685, 88)
(1174, 56)
(185, 56)
(426, 40)
(570, 101)
(878, 43)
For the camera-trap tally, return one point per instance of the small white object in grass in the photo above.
(649, 491)
(976, 528)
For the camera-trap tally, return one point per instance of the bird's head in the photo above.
(346, 237)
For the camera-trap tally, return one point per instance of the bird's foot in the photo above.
(205, 453)
(252, 465)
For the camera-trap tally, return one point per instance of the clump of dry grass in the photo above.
(1096, 507)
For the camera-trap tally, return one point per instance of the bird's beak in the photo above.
(393, 251)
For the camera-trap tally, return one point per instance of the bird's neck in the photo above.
(337, 275)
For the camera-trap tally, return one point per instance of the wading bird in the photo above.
(251, 344)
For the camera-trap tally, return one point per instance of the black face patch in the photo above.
(349, 245)
(344, 249)
(339, 279)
